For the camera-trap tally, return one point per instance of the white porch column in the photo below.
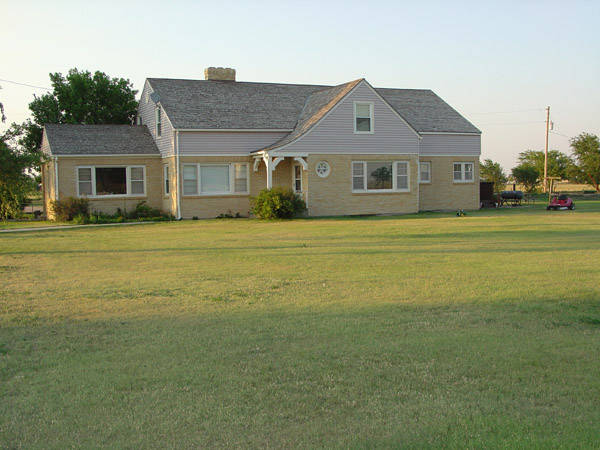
(269, 163)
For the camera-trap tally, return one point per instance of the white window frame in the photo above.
(372, 117)
(231, 180)
(428, 164)
(127, 181)
(158, 121)
(379, 191)
(166, 180)
(294, 179)
(463, 171)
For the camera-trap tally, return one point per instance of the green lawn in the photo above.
(414, 331)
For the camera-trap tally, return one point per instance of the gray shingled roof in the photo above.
(316, 106)
(73, 139)
(425, 111)
(201, 104)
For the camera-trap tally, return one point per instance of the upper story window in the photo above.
(98, 181)
(158, 122)
(424, 172)
(463, 172)
(363, 117)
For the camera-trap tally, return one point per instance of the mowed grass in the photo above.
(414, 331)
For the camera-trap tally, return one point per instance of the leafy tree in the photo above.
(2, 116)
(492, 171)
(80, 97)
(586, 164)
(526, 175)
(558, 162)
(15, 184)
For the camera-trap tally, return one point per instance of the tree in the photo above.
(2, 116)
(558, 162)
(586, 161)
(492, 171)
(80, 97)
(15, 184)
(526, 175)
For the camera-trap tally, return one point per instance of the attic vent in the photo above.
(219, 73)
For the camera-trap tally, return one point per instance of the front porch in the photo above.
(284, 170)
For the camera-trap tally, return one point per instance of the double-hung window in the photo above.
(166, 179)
(158, 122)
(297, 178)
(106, 181)
(215, 179)
(363, 117)
(425, 172)
(463, 172)
(380, 176)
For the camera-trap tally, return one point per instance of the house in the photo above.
(204, 147)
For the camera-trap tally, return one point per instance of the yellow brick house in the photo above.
(201, 148)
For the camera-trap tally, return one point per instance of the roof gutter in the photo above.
(55, 158)
(178, 196)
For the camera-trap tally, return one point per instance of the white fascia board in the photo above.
(111, 155)
(450, 132)
(235, 130)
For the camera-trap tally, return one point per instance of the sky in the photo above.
(499, 64)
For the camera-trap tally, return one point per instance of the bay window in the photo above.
(380, 176)
(463, 172)
(108, 181)
(215, 179)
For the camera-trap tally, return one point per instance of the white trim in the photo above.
(257, 161)
(463, 164)
(237, 130)
(231, 176)
(379, 191)
(216, 154)
(451, 132)
(166, 180)
(113, 155)
(393, 110)
(321, 152)
(127, 181)
(429, 171)
(277, 160)
(56, 196)
(371, 117)
(294, 179)
(302, 162)
(268, 162)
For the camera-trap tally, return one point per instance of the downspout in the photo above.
(56, 197)
(418, 175)
(178, 197)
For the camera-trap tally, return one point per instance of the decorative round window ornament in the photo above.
(322, 168)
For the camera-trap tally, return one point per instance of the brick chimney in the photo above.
(219, 73)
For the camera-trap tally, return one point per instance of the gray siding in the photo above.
(146, 112)
(450, 144)
(226, 143)
(335, 133)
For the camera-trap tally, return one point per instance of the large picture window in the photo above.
(107, 181)
(215, 179)
(363, 117)
(380, 176)
(463, 172)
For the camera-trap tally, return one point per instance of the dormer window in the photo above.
(363, 117)
(158, 122)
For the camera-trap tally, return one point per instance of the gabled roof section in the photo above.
(426, 112)
(317, 106)
(210, 104)
(74, 139)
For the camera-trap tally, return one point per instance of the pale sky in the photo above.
(499, 64)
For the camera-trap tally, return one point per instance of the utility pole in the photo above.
(546, 150)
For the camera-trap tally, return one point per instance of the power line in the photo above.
(25, 84)
(511, 123)
(560, 134)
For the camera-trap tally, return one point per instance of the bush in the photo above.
(67, 209)
(142, 210)
(277, 203)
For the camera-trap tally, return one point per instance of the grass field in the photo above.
(414, 331)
